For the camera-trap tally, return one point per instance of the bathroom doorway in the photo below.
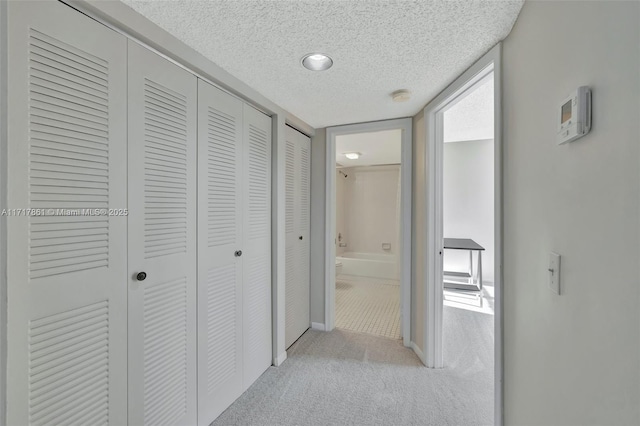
(368, 222)
(368, 232)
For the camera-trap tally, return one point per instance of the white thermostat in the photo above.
(574, 115)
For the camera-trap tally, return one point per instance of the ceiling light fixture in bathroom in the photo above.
(352, 155)
(402, 95)
(317, 62)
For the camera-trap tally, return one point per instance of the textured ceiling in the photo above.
(377, 47)
(472, 117)
(377, 148)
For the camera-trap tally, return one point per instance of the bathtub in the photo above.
(375, 265)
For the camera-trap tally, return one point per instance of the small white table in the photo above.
(466, 280)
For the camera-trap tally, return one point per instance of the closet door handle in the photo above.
(300, 237)
(141, 276)
(238, 253)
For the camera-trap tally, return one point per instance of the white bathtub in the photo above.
(375, 265)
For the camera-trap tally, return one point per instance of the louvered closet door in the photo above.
(66, 267)
(292, 328)
(162, 241)
(304, 228)
(297, 164)
(220, 143)
(256, 248)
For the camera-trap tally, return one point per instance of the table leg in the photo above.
(480, 269)
(470, 281)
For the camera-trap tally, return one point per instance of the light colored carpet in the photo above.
(368, 305)
(482, 301)
(345, 378)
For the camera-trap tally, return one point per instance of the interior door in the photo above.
(297, 211)
(67, 256)
(256, 247)
(220, 222)
(162, 241)
(304, 228)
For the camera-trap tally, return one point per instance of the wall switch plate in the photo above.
(554, 272)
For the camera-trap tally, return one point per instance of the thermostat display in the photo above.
(566, 112)
(574, 116)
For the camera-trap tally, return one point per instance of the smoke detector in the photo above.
(402, 95)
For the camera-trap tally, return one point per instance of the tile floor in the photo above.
(368, 305)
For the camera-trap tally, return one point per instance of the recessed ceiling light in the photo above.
(352, 155)
(401, 95)
(317, 62)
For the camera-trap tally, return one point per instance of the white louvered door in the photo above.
(297, 214)
(304, 228)
(220, 222)
(291, 256)
(256, 248)
(162, 241)
(66, 265)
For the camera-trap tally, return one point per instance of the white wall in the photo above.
(468, 199)
(369, 208)
(572, 359)
(419, 225)
(317, 290)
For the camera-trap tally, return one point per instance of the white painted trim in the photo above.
(433, 292)
(406, 212)
(318, 326)
(490, 62)
(418, 352)
(498, 238)
(406, 125)
(278, 239)
(330, 231)
(280, 359)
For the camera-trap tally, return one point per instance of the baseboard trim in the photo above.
(318, 326)
(418, 352)
(280, 359)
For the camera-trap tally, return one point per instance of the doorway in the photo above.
(378, 261)
(368, 232)
(464, 223)
(469, 251)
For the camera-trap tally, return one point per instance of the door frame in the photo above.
(405, 125)
(456, 91)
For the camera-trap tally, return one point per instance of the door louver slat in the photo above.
(165, 166)
(67, 148)
(69, 363)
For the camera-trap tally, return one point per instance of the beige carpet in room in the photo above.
(346, 378)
